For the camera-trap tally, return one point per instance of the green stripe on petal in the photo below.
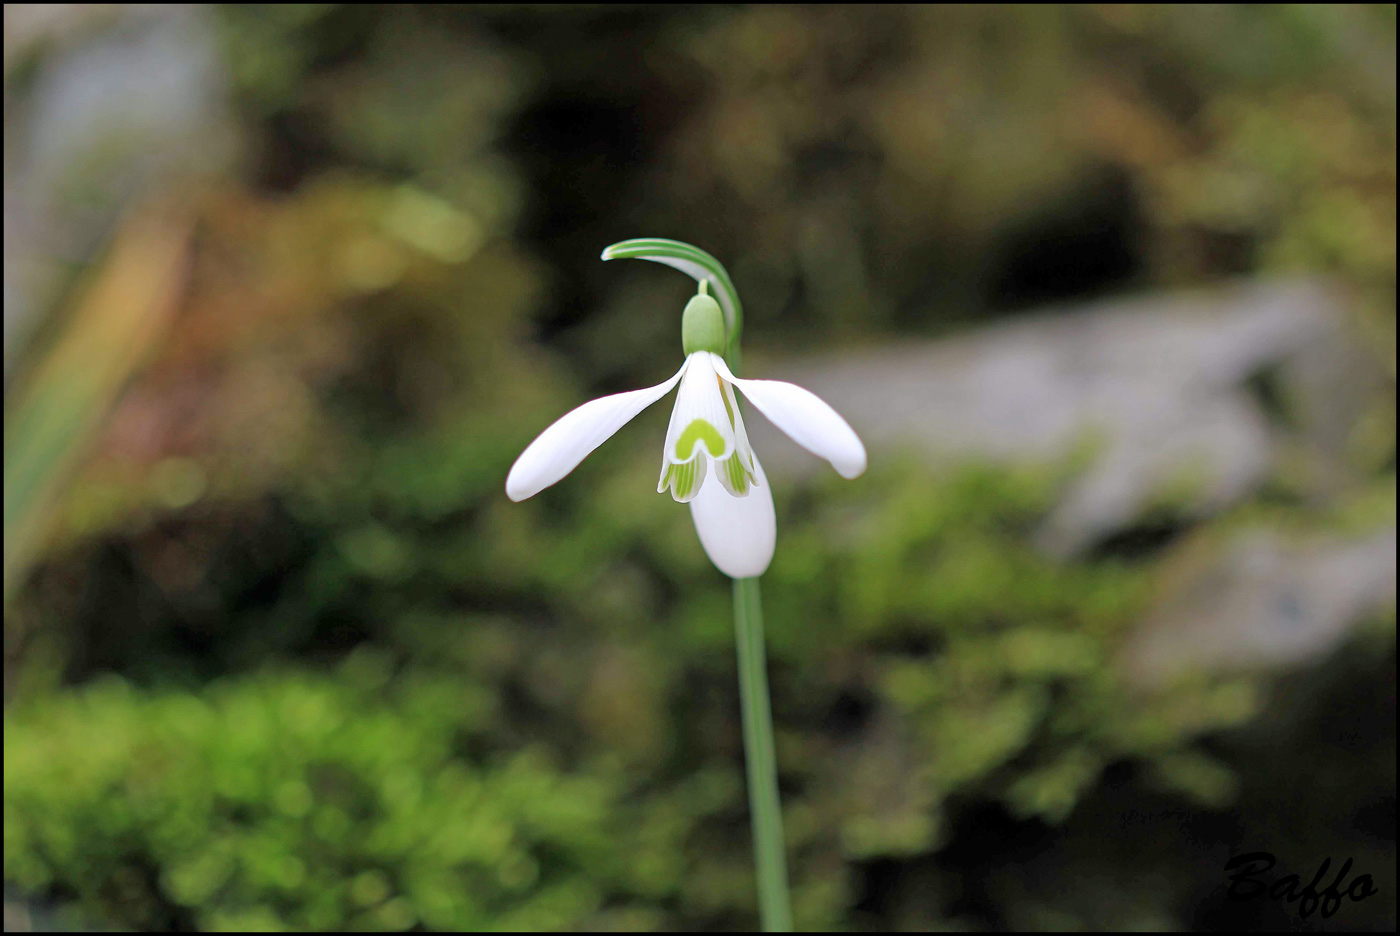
(737, 474)
(723, 395)
(684, 479)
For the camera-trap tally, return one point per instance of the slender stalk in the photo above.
(770, 859)
(765, 811)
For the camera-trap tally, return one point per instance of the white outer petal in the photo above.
(738, 533)
(569, 439)
(806, 419)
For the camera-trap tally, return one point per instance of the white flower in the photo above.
(707, 461)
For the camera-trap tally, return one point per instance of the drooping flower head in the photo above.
(707, 461)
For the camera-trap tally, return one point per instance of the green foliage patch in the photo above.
(573, 760)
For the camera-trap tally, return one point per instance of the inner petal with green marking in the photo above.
(699, 430)
(684, 479)
(736, 474)
(724, 395)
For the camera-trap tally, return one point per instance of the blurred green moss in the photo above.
(292, 800)
(548, 765)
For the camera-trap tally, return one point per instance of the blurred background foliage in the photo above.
(279, 653)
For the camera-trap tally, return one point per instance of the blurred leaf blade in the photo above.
(117, 319)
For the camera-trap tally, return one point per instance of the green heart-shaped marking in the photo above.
(699, 430)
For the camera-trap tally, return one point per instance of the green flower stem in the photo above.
(765, 811)
(770, 857)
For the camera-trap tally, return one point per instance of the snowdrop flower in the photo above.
(707, 461)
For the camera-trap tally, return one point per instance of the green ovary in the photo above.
(699, 430)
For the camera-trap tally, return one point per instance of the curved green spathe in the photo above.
(697, 264)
